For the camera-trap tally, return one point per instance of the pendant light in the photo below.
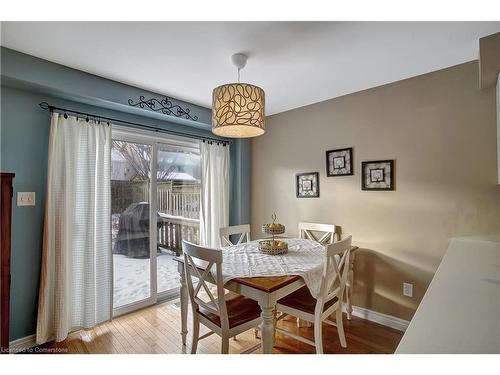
(238, 108)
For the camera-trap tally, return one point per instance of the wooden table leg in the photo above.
(184, 303)
(267, 327)
(350, 286)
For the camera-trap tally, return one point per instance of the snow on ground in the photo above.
(132, 277)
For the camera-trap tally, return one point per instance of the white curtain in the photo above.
(76, 275)
(214, 192)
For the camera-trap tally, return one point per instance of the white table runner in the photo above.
(305, 258)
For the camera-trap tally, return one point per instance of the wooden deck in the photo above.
(156, 329)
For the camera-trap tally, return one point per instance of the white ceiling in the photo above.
(297, 63)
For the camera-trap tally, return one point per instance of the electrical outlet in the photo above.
(407, 289)
(25, 198)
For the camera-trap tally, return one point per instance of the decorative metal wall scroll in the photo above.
(164, 106)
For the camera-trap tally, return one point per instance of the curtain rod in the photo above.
(51, 108)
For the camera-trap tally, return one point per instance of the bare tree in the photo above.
(139, 157)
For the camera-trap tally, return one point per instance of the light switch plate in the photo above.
(407, 289)
(25, 198)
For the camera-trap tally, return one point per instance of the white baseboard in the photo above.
(383, 319)
(22, 344)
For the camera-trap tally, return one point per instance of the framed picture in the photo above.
(339, 162)
(377, 175)
(307, 185)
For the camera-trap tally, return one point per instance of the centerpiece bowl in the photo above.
(272, 246)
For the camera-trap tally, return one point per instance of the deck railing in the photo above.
(174, 229)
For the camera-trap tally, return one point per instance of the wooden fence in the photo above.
(181, 201)
(172, 199)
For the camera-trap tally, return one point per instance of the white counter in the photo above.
(460, 312)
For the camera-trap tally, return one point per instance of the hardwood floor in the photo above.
(156, 329)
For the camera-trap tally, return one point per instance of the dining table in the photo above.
(263, 285)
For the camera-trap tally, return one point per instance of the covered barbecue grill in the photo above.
(133, 233)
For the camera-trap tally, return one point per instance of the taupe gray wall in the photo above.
(441, 131)
(489, 60)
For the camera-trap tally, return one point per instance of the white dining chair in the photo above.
(303, 305)
(310, 231)
(242, 230)
(328, 232)
(225, 315)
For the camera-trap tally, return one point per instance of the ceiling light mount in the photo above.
(239, 60)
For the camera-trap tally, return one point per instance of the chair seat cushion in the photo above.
(240, 310)
(302, 300)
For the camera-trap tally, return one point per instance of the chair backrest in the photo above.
(212, 257)
(328, 231)
(335, 271)
(242, 230)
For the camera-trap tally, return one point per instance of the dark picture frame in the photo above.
(339, 162)
(377, 175)
(307, 185)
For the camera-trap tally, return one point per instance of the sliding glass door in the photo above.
(147, 233)
(178, 205)
(131, 222)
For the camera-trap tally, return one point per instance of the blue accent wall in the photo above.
(24, 140)
(239, 189)
(27, 81)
